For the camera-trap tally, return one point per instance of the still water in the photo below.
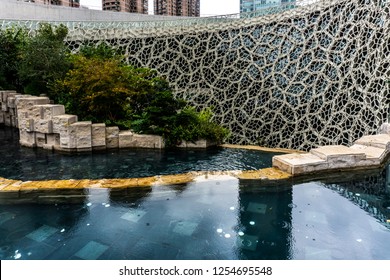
(214, 218)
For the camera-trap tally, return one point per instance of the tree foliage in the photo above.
(44, 58)
(97, 85)
(104, 89)
(11, 44)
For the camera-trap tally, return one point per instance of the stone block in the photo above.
(4, 94)
(43, 126)
(82, 131)
(25, 107)
(380, 141)
(52, 141)
(132, 140)
(26, 124)
(11, 101)
(126, 139)
(297, 164)
(40, 139)
(374, 155)
(26, 103)
(339, 155)
(98, 136)
(4, 107)
(61, 123)
(1, 117)
(112, 137)
(199, 144)
(50, 110)
(27, 139)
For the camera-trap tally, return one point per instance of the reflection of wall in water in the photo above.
(265, 220)
(388, 178)
(371, 193)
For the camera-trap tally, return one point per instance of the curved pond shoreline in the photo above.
(268, 177)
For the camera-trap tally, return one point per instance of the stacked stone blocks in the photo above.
(369, 151)
(46, 125)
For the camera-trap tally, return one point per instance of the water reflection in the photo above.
(37, 164)
(219, 217)
(214, 218)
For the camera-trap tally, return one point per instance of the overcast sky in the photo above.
(207, 7)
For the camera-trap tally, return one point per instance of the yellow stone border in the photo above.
(7, 185)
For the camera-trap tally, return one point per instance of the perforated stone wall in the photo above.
(297, 76)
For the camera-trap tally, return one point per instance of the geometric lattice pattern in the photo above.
(312, 74)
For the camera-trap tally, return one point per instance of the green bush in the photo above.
(44, 58)
(11, 43)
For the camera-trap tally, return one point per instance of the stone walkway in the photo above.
(367, 152)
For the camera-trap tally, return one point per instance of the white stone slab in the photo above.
(338, 153)
(379, 141)
(299, 163)
(370, 151)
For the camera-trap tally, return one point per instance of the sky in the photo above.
(207, 7)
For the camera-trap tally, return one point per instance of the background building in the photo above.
(130, 6)
(189, 8)
(66, 3)
(253, 5)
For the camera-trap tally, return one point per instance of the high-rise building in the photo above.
(253, 5)
(66, 3)
(189, 8)
(129, 6)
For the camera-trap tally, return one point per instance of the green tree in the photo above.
(44, 59)
(101, 88)
(11, 44)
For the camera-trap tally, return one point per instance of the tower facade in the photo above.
(253, 5)
(189, 8)
(66, 3)
(129, 6)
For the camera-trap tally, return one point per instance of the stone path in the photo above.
(367, 152)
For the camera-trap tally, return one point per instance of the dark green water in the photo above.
(37, 164)
(220, 218)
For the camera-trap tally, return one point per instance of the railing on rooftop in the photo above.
(269, 10)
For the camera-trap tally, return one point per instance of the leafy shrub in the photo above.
(11, 43)
(101, 88)
(44, 58)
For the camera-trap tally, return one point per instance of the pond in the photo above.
(220, 217)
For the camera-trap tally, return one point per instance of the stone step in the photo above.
(370, 151)
(337, 153)
(296, 164)
(380, 141)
